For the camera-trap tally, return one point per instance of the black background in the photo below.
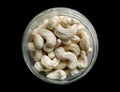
(19, 13)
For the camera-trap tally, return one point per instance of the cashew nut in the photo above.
(82, 61)
(38, 55)
(65, 33)
(52, 23)
(31, 46)
(61, 65)
(74, 72)
(58, 75)
(89, 50)
(84, 42)
(66, 42)
(38, 66)
(61, 54)
(75, 39)
(74, 48)
(80, 29)
(66, 22)
(48, 63)
(38, 40)
(49, 37)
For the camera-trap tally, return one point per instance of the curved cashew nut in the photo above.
(31, 46)
(49, 37)
(38, 55)
(74, 48)
(58, 74)
(82, 61)
(81, 28)
(74, 72)
(66, 42)
(48, 63)
(65, 33)
(61, 65)
(66, 22)
(84, 42)
(38, 66)
(75, 39)
(38, 40)
(52, 23)
(61, 54)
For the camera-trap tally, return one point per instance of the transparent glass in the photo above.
(67, 12)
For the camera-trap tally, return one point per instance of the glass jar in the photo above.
(60, 11)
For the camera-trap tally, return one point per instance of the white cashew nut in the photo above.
(52, 23)
(74, 48)
(84, 42)
(81, 28)
(48, 63)
(58, 75)
(31, 46)
(82, 61)
(74, 72)
(61, 54)
(38, 66)
(68, 21)
(38, 55)
(38, 40)
(75, 39)
(65, 33)
(66, 42)
(49, 37)
(61, 65)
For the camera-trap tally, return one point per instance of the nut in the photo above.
(58, 74)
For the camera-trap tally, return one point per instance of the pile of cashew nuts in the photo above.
(59, 46)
